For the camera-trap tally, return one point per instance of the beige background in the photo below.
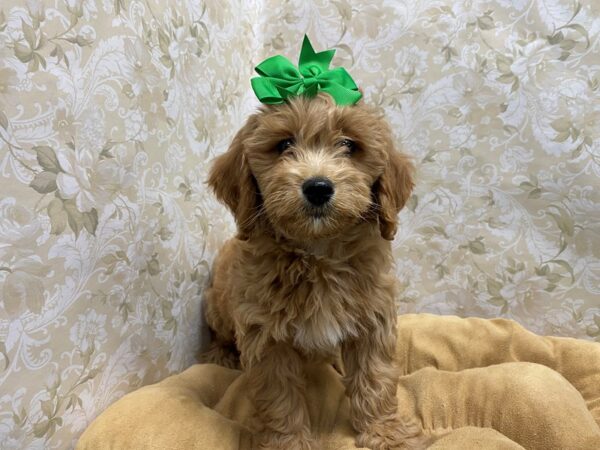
(111, 110)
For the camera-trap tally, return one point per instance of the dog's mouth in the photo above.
(317, 212)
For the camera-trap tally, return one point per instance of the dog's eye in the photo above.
(349, 145)
(283, 145)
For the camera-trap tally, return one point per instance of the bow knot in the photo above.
(280, 79)
(314, 70)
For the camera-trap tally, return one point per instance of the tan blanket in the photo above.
(471, 383)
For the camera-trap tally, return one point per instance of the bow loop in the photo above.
(280, 79)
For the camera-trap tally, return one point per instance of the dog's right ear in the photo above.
(393, 190)
(232, 181)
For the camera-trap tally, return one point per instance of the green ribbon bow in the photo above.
(280, 79)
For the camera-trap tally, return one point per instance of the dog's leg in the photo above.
(277, 387)
(222, 349)
(371, 381)
(222, 353)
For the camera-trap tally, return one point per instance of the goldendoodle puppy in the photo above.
(315, 190)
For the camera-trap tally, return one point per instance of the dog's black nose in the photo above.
(317, 190)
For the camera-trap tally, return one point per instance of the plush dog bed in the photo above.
(470, 383)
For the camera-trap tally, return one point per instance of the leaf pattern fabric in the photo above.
(111, 111)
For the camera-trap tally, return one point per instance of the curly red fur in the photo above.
(293, 287)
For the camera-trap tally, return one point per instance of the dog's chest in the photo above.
(322, 331)
(319, 301)
(313, 301)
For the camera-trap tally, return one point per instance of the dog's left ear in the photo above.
(393, 190)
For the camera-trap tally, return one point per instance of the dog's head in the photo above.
(311, 170)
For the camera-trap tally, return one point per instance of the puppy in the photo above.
(315, 190)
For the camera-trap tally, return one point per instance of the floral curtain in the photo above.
(111, 110)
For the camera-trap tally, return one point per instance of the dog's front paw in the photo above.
(391, 434)
(376, 441)
(271, 440)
